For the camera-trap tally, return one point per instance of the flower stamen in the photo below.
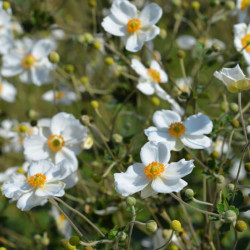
(246, 42)
(56, 143)
(59, 95)
(154, 169)
(244, 4)
(28, 61)
(1, 87)
(133, 25)
(176, 129)
(155, 75)
(37, 180)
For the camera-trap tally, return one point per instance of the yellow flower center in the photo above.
(37, 180)
(62, 217)
(56, 143)
(176, 129)
(28, 61)
(155, 75)
(244, 4)
(59, 95)
(133, 25)
(22, 128)
(1, 87)
(20, 170)
(154, 169)
(246, 42)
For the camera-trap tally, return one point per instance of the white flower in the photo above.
(241, 39)
(186, 42)
(233, 78)
(154, 175)
(135, 29)
(7, 91)
(182, 85)
(234, 170)
(62, 224)
(61, 140)
(43, 181)
(220, 146)
(177, 134)
(242, 4)
(150, 79)
(32, 65)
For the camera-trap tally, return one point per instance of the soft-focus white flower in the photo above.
(62, 224)
(241, 39)
(134, 28)
(234, 170)
(43, 181)
(233, 78)
(186, 42)
(177, 134)
(61, 140)
(183, 86)
(154, 175)
(242, 4)
(63, 95)
(7, 91)
(220, 146)
(57, 33)
(33, 65)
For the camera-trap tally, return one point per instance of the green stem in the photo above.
(94, 243)
(167, 243)
(131, 227)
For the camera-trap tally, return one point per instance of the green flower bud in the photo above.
(95, 104)
(69, 68)
(163, 33)
(37, 237)
(54, 57)
(234, 107)
(109, 61)
(85, 120)
(117, 138)
(175, 225)
(97, 45)
(96, 177)
(235, 123)
(230, 216)
(176, 2)
(230, 5)
(215, 155)
(87, 38)
(151, 226)
(247, 167)
(45, 241)
(172, 247)
(122, 236)
(220, 179)
(189, 193)
(155, 101)
(92, 3)
(188, 156)
(230, 187)
(166, 233)
(195, 5)
(74, 240)
(131, 201)
(31, 113)
(224, 106)
(6, 5)
(85, 79)
(181, 54)
(241, 226)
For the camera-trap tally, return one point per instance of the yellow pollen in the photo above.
(244, 4)
(246, 42)
(1, 87)
(28, 61)
(133, 25)
(62, 217)
(154, 169)
(37, 180)
(59, 95)
(56, 143)
(155, 75)
(176, 129)
(22, 128)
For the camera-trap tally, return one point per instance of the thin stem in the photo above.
(166, 244)
(131, 227)
(81, 215)
(109, 169)
(53, 202)
(235, 239)
(203, 202)
(94, 243)
(184, 73)
(73, 198)
(243, 111)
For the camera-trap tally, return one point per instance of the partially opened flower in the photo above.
(154, 175)
(183, 87)
(60, 140)
(134, 27)
(7, 91)
(177, 134)
(33, 65)
(43, 181)
(242, 40)
(233, 78)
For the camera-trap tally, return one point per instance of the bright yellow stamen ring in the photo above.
(154, 169)
(244, 4)
(133, 25)
(56, 143)
(155, 75)
(37, 180)
(246, 42)
(176, 129)
(1, 87)
(28, 61)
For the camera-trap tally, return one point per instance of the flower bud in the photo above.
(87, 38)
(220, 179)
(216, 47)
(54, 57)
(181, 54)
(176, 2)
(230, 216)
(189, 193)
(175, 225)
(88, 143)
(155, 101)
(70, 247)
(188, 156)
(234, 107)
(131, 201)
(37, 237)
(230, 187)
(85, 120)
(64, 243)
(247, 167)
(195, 5)
(92, 3)
(6, 5)
(230, 5)
(31, 113)
(97, 45)
(172, 247)
(109, 60)
(117, 138)
(95, 104)
(122, 236)
(23, 128)
(235, 123)
(241, 226)
(74, 240)
(96, 177)
(215, 155)
(213, 3)
(84, 79)
(69, 68)
(166, 233)
(151, 226)
(224, 106)
(163, 33)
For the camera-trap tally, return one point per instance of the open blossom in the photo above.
(7, 91)
(32, 65)
(177, 134)
(43, 181)
(233, 78)
(242, 40)
(154, 175)
(134, 27)
(60, 140)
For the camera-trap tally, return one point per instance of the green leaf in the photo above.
(236, 210)
(245, 208)
(220, 208)
(225, 227)
(113, 233)
(238, 199)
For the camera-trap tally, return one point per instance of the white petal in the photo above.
(59, 171)
(66, 154)
(147, 192)
(134, 41)
(59, 122)
(163, 118)
(155, 65)
(26, 77)
(196, 141)
(112, 26)
(198, 124)
(139, 68)
(162, 185)
(155, 151)
(41, 73)
(50, 190)
(246, 55)
(42, 48)
(29, 200)
(178, 144)
(132, 181)
(149, 33)
(9, 71)
(146, 88)
(150, 15)
(240, 30)
(8, 92)
(40, 167)
(186, 42)
(177, 170)
(71, 180)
